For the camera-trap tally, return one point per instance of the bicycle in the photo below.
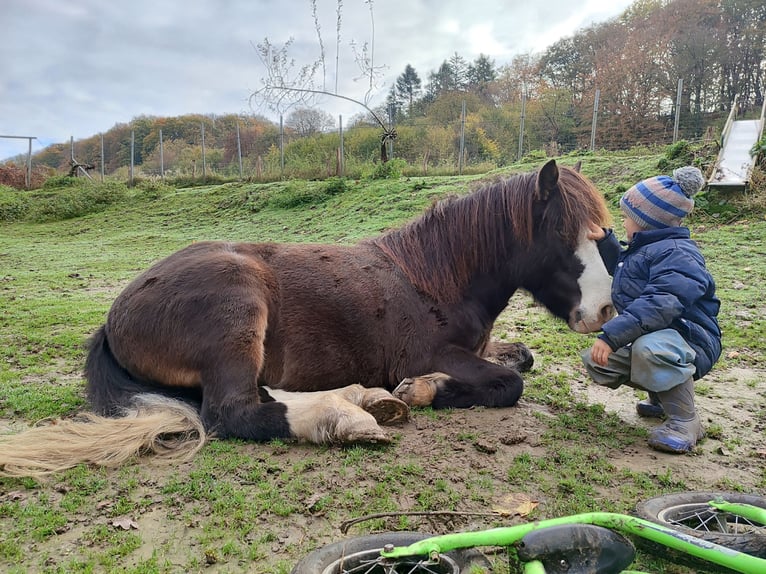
(701, 529)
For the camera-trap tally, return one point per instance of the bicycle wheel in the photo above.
(362, 556)
(689, 512)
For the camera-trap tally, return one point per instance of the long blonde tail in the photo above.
(153, 425)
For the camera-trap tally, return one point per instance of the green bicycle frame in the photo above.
(625, 524)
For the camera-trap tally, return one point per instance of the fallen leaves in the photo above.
(125, 523)
(515, 504)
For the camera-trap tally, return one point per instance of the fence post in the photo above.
(102, 158)
(391, 119)
(679, 93)
(28, 174)
(595, 121)
(341, 156)
(239, 152)
(132, 150)
(462, 139)
(162, 158)
(281, 147)
(521, 123)
(204, 163)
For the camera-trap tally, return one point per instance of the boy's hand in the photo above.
(595, 232)
(600, 352)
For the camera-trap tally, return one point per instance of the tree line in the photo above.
(633, 61)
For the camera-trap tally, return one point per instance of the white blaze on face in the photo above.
(596, 287)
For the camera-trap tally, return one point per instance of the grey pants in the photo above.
(655, 362)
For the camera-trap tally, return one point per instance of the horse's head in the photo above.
(570, 279)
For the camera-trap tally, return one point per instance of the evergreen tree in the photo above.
(481, 71)
(408, 87)
(460, 69)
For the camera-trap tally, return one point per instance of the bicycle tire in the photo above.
(347, 556)
(689, 513)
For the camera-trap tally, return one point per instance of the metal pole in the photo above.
(595, 121)
(239, 152)
(521, 123)
(102, 158)
(679, 93)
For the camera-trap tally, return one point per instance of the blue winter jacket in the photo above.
(661, 281)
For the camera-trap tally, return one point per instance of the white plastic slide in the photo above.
(734, 164)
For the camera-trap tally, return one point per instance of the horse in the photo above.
(326, 343)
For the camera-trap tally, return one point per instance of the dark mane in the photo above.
(461, 236)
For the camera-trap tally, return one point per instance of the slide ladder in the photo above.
(734, 164)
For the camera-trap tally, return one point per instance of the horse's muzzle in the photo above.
(581, 323)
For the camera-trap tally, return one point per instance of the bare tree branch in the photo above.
(365, 58)
(318, 29)
(287, 85)
(337, 43)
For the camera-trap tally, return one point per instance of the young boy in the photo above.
(666, 333)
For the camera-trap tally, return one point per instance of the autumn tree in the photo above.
(743, 51)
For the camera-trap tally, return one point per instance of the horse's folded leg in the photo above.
(419, 391)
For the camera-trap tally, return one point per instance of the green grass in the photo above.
(239, 507)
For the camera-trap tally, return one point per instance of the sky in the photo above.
(75, 68)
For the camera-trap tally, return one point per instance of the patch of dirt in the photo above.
(462, 455)
(732, 409)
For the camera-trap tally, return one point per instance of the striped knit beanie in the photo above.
(662, 201)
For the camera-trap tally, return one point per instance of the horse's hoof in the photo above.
(416, 392)
(388, 410)
(369, 436)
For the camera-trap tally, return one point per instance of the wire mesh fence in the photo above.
(252, 147)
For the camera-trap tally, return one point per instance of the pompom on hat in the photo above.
(663, 201)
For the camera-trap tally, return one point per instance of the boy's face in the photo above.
(631, 227)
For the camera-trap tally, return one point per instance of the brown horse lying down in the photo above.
(268, 340)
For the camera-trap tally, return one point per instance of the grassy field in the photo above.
(65, 253)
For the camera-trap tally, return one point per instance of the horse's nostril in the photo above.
(607, 311)
(578, 316)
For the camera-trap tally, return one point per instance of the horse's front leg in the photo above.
(463, 380)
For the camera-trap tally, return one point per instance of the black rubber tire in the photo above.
(322, 559)
(670, 510)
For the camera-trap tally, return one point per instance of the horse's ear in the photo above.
(577, 166)
(547, 179)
